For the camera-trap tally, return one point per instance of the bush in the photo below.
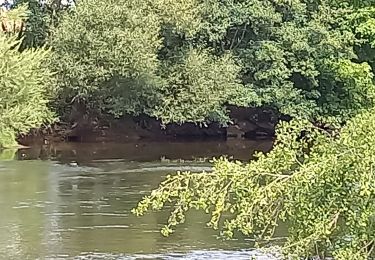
(25, 87)
(197, 86)
(105, 54)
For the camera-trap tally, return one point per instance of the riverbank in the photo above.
(247, 123)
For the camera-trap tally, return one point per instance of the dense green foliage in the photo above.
(36, 26)
(185, 61)
(40, 22)
(298, 57)
(104, 50)
(25, 87)
(107, 55)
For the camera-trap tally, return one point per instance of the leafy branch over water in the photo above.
(327, 196)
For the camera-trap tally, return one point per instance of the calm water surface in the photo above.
(73, 201)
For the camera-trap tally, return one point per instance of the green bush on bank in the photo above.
(106, 55)
(25, 87)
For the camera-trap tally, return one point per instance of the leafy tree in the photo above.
(290, 55)
(36, 25)
(105, 53)
(197, 86)
(42, 17)
(362, 23)
(25, 86)
(287, 51)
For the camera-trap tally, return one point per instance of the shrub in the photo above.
(25, 87)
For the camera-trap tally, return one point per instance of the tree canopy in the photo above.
(303, 58)
(26, 85)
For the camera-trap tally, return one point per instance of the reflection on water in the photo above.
(77, 205)
(145, 151)
(193, 255)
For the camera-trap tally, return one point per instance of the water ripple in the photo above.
(194, 255)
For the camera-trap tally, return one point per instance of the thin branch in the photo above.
(242, 36)
(234, 38)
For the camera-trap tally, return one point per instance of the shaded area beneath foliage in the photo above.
(247, 123)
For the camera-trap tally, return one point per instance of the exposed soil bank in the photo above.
(248, 123)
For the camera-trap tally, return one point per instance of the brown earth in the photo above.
(247, 123)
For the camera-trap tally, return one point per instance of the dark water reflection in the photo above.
(76, 203)
(145, 151)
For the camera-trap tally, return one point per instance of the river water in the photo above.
(73, 201)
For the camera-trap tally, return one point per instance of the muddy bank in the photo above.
(247, 123)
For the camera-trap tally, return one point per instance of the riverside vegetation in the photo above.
(187, 61)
